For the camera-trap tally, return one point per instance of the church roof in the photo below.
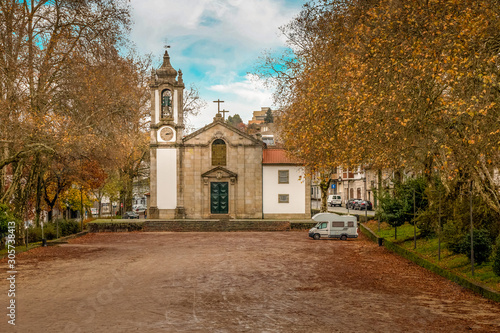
(278, 156)
(219, 121)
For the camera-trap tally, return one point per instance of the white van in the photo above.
(332, 225)
(334, 200)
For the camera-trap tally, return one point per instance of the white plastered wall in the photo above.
(295, 190)
(166, 178)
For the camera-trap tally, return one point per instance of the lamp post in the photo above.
(414, 223)
(439, 229)
(81, 207)
(340, 182)
(471, 232)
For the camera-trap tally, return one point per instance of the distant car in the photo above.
(351, 202)
(334, 200)
(363, 204)
(94, 211)
(140, 209)
(130, 215)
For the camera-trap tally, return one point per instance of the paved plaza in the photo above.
(235, 282)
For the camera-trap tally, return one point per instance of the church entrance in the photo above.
(219, 198)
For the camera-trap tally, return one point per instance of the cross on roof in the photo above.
(218, 101)
(224, 114)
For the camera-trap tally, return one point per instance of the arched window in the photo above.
(219, 152)
(166, 104)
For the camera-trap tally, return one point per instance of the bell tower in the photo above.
(167, 126)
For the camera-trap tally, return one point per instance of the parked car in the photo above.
(351, 202)
(334, 200)
(363, 204)
(130, 215)
(330, 225)
(140, 209)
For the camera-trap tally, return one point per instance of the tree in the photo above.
(193, 104)
(234, 120)
(393, 210)
(406, 85)
(269, 117)
(47, 49)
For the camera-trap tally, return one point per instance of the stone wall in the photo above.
(190, 225)
(216, 225)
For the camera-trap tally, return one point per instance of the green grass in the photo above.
(386, 231)
(427, 248)
(19, 249)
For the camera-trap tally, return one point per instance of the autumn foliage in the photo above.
(410, 85)
(73, 100)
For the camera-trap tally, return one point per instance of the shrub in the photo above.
(496, 258)
(50, 230)
(482, 246)
(454, 236)
(5, 218)
(67, 227)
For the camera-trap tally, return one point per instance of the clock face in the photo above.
(166, 134)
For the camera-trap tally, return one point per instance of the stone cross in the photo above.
(218, 101)
(224, 114)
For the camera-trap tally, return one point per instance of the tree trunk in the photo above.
(379, 185)
(323, 185)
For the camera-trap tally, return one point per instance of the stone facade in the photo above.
(243, 172)
(213, 173)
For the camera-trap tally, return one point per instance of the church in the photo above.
(218, 171)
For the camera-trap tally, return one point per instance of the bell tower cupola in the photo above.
(167, 89)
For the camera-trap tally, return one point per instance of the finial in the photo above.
(180, 77)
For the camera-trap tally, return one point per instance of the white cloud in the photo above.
(246, 24)
(215, 42)
(240, 97)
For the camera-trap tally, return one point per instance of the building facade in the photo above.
(216, 171)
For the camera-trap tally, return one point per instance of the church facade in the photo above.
(217, 171)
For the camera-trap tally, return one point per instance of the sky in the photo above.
(217, 45)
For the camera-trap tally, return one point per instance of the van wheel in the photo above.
(343, 237)
(316, 236)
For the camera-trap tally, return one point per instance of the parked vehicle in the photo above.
(139, 209)
(332, 225)
(130, 215)
(334, 200)
(351, 202)
(363, 204)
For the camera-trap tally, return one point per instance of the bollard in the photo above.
(380, 241)
(44, 241)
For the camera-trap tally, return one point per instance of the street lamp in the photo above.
(471, 232)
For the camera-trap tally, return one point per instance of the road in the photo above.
(234, 282)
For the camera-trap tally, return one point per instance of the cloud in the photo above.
(215, 43)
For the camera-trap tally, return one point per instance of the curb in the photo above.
(57, 241)
(477, 288)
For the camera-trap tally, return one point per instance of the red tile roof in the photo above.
(278, 156)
